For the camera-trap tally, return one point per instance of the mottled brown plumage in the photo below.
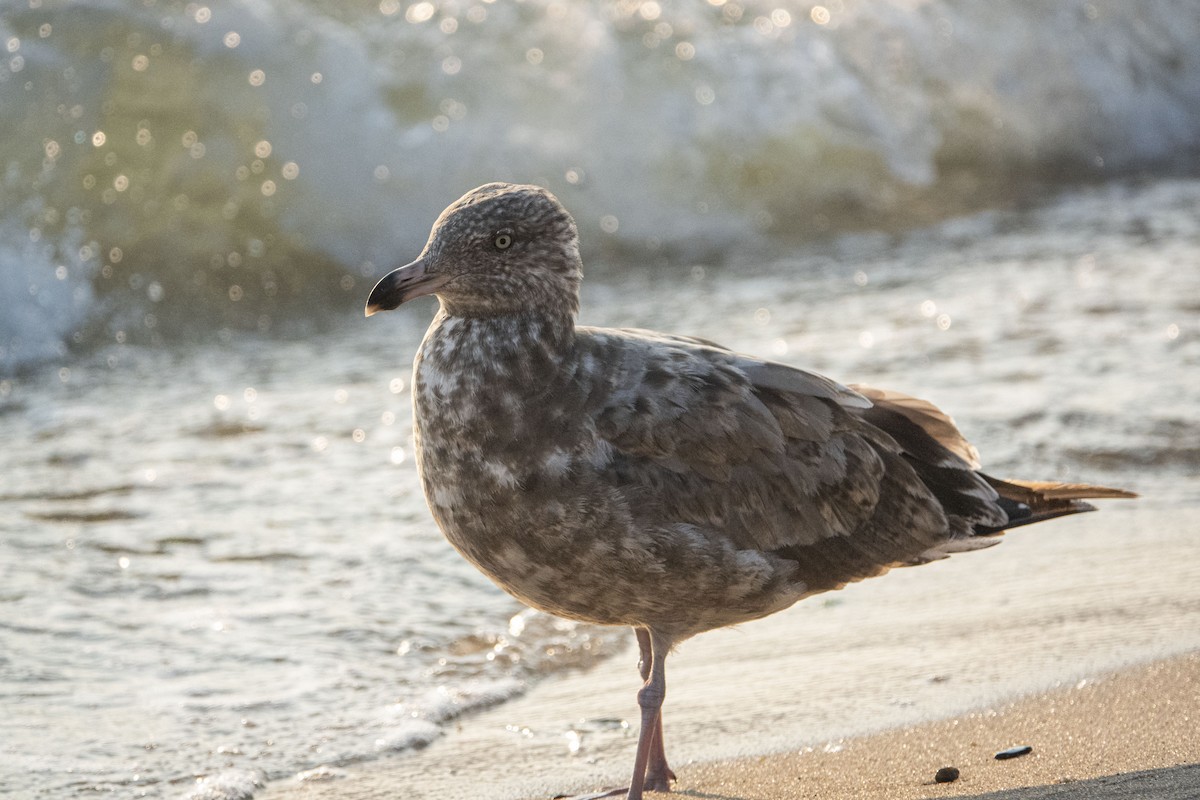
(627, 477)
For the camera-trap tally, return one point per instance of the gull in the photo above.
(662, 482)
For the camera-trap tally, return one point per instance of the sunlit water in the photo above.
(216, 559)
(170, 167)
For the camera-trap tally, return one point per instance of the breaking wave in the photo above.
(173, 169)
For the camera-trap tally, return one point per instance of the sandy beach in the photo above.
(1128, 734)
(1092, 621)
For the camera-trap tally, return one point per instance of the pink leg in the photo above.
(650, 698)
(658, 773)
(650, 770)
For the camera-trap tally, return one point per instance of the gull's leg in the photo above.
(650, 698)
(658, 773)
(650, 770)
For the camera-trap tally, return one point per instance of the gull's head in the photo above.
(499, 249)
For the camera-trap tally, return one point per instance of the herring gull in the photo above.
(628, 477)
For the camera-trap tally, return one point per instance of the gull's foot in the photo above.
(595, 795)
(660, 781)
(654, 783)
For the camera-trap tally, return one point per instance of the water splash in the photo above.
(240, 165)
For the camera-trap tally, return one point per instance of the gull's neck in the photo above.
(498, 333)
(476, 355)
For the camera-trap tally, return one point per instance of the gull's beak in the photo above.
(401, 285)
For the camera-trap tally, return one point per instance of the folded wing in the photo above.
(843, 482)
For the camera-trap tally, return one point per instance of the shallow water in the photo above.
(215, 560)
(208, 566)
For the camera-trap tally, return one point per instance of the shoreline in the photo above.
(1085, 600)
(1127, 734)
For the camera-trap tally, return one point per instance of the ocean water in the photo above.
(215, 561)
(188, 170)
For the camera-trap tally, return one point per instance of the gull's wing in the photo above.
(761, 456)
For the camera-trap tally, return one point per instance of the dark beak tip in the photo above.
(381, 297)
(401, 285)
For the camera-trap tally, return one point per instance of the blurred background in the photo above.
(213, 533)
(178, 169)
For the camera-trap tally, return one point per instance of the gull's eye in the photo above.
(503, 240)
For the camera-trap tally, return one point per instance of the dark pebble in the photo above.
(946, 775)
(1013, 752)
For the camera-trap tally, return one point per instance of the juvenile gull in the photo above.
(627, 477)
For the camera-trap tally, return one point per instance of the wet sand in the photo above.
(1057, 608)
(1129, 734)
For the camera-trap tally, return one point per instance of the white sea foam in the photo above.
(254, 158)
(47, 295)
(233, 784)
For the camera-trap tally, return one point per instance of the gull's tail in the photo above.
(1026, 502)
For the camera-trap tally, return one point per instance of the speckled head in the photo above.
(499, 249)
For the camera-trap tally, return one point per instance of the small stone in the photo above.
(946, 775)
(1013, 752)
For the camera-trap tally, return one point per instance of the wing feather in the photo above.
(841, 483)
(765, 456)
(928, 418)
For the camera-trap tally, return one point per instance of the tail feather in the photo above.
(948, 465)
(1027, 502)
(1034, 492)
